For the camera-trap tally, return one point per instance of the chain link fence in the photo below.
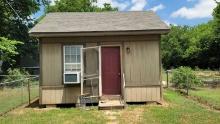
(207, 79)
(17, 92)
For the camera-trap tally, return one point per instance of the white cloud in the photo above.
(138, 5)
(114, 3)
(158, 7)
(203, 9)
(169, 23)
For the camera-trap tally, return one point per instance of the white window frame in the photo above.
(78, 73)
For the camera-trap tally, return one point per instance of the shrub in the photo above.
(182, 75)
(17, 77)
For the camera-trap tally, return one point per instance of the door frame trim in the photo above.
(121, 66)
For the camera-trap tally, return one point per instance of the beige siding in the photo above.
(142, 94)
(142, 66)
(51, 64)
(59, 95)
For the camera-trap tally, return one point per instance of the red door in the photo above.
(111, 71)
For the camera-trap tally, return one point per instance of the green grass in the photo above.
(13, 97)
(208, 95)
(177, 110)
(180, 111)
(54, 116)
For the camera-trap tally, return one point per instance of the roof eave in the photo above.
(97, 33)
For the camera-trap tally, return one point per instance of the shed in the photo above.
(100, 54)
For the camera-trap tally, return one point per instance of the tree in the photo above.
(174, 46)
(15, 22)
(78, 6)
(215, 44)
(189, 46)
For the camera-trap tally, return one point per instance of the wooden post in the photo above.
(29, 92)
(167, 78)
(187, 88)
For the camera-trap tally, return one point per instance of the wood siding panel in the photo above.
(142, 94)
(142, 66)
(51, 64)
(59, 95)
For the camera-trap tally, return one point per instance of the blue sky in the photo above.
(177, 12)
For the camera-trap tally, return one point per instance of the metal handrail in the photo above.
(123, 76)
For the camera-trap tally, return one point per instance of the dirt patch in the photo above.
(112, 116)
(165, 104)
(132, 116)
(18, 111)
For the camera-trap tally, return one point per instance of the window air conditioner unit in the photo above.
(72, 78)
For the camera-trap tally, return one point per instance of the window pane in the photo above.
(78, 66)
(78, 51)
(73, 50)
(67, 59)
(73, 59)
(78, 59)
(68, 68)
(67, 50)
(74, 67)
(70, 77)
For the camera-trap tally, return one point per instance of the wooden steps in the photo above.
(109, 102)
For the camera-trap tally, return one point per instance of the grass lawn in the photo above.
(177, 110)
(12, 97)
(54, 116)
(208, 95)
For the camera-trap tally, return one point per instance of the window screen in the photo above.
(72, 58)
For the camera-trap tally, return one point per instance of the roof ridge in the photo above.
(148, 11)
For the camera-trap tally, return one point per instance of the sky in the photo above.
(176, 12)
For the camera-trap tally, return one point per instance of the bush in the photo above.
(17, 77)
(182, 75)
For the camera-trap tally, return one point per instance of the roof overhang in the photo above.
(98, 33)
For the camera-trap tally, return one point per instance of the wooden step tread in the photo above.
(111, 97)
(108, 104)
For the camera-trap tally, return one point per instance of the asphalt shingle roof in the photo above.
(99, 22)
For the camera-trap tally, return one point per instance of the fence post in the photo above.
(22, 86)
(29, 92)
(187, 83)
(167, 78)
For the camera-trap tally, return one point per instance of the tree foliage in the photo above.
(191, 46)
(8, 48)
(184, 77)
(78, 6)
(19, 77)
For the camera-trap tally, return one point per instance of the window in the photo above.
(72, 64)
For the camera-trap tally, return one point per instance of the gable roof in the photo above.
(88, 22)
